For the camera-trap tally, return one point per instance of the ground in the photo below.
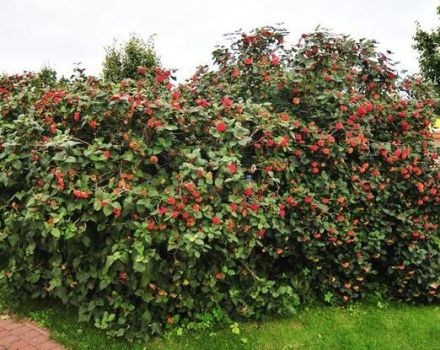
(24, 335)
(377, 326)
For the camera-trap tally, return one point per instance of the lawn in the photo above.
(359, 327)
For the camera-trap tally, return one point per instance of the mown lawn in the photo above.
(358, 327)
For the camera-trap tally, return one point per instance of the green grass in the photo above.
(359, 327)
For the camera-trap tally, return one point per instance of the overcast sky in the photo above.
(61, 32)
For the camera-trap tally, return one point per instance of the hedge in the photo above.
(280, 175)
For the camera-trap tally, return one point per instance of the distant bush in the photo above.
(135, 59)
(282, 174)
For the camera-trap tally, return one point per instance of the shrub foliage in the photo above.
(283, 173)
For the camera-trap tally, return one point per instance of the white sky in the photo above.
(61, 32)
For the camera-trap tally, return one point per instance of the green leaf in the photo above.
(146, 317)
(108, 210)
(97, 205)
(128, 156)
(70, 159)
(17, 164)
(55, 232)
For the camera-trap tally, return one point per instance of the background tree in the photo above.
(48, 75)
(123, 61)
(427, 43)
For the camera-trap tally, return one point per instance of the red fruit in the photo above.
(107, 154)
(227, 103)
(53, 128)
(254, 207)
(248, 191)
(215, 220)
(76, 116)
(219, 275)
(81, 194)
(248, 61)
(296, 101)
(162, 210)
(308, 200)
(180, 206)
(233, 207)
(231, 167)
(221, 127)
(92, 124)
(153, 159)
(325, 151)
(275, 60)
(361, 111)
(171, 201)
(122, 276)
(339, 126)
(261, 233)
(235, 73)
(104, 203)
(142, 70)
(290, 201)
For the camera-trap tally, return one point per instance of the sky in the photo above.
(61, 33)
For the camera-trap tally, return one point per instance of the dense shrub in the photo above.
(282, 174)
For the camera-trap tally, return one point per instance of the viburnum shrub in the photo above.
(283, 173)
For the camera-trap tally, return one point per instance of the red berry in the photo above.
(142, 70)
(221, 127)
(232, 168)
(261, 233)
